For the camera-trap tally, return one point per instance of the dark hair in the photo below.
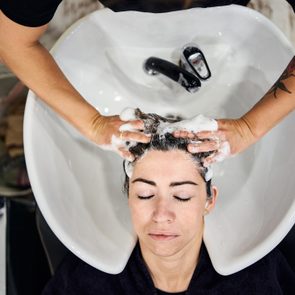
(164, 142)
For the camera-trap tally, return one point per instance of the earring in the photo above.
(206, 212)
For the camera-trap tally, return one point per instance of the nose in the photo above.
(163, 212)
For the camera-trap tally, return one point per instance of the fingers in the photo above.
(214, 158)
(210, 159)
(128, 131)
(132, 131)
(134, 136)
(203, 146)
(184, 134)
(199, 135)
(125, 154)
(222, 153)
(136, 125)
(206, 141)
(213, 135)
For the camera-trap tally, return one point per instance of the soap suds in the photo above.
(209, 173)
(127, 127)
(128, 114)
(223, 151)
(195, 124)
(116, 143)
(128, 167)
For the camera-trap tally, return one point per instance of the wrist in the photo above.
(250, 127)
(81, 115)
(95, 121)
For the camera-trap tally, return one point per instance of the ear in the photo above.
(210, 204)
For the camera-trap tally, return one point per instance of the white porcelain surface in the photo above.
(78, 186)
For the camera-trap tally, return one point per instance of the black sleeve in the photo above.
(30, 13)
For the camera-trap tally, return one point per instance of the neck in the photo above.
(173, 273)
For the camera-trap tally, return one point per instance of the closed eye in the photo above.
(145, 197)
(182, 199)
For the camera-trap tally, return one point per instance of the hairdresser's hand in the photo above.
(232, 137)
(111, 133)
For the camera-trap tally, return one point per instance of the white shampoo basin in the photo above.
(78, 186)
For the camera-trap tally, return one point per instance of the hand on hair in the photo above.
(108, 133)
(232, 137)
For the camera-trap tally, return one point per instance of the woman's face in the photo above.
(167, 199)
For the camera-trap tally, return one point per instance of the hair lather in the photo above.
(164, 142)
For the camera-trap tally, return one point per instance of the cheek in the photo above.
(140, 213)
(192, 219)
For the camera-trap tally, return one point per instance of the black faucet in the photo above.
(155, 65)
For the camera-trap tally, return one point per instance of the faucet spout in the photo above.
(155, 65)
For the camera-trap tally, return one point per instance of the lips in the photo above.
(163, 236)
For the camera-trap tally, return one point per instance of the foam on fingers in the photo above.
(128, 114)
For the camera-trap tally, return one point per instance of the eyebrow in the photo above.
(144, 180)
(176, 183)
(172, 184)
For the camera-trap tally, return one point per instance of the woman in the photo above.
(22, 23)
(169, 193)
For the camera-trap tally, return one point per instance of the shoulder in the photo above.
(272, 274)
(75, 277)
(281, 271)
(31, 13)
(273, 262)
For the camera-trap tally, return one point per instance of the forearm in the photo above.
(235, 135)
(275, 105)
(35, 67)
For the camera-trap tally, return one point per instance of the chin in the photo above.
(165, 252)
(164, 249)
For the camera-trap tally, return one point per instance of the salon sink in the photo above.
(78, 186)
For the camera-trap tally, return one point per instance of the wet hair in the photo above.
(164, 142)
